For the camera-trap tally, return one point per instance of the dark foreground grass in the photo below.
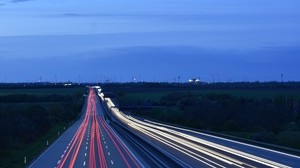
(15, 157)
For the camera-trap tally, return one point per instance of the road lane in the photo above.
(94, 144)
(105, 148)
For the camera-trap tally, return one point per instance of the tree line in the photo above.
(228, 112)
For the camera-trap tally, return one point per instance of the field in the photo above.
(255, 94)
(15, 157)
(55, 114)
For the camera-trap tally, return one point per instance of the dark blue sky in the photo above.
(150, 40)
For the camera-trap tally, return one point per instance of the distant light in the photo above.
(194, 80)
(68, 84)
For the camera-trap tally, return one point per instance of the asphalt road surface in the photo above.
(90, 142)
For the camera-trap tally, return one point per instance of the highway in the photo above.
(90, 142)
(193, 149)
(106, 137)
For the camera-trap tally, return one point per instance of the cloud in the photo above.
(160, 63)
(187, 61)
(74, 15)
(2, 3)
(16, 1)
(90, 15)
(147, 55)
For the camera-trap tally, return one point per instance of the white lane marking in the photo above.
(85, 154)
(68, 130)
(104, 142)
(86, 147)
(84, 163)
(112, 162)
(87, 143)
(106, 147)
(108, 153)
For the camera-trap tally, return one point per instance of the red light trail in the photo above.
(96, 155)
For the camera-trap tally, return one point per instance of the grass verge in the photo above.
(15, 157)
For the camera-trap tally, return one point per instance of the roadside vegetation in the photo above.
(264, 112)
(31, 117)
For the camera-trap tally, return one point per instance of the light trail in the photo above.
(92, 161)
(95, 140)
(217, 146)
(176, 138)
(117, 143)
(186, 143)
(94, 147)
(158, 138)
(76, 143)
